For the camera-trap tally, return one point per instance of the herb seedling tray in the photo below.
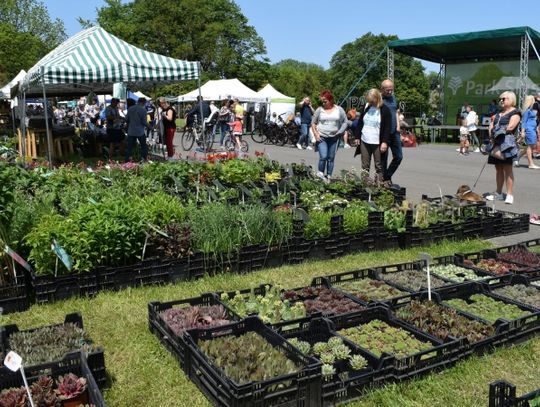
(14, 295)
(158, 326)
(510, 281)
(96, 359)
(533, 264)
(346, 384)
(299, 389)
(503, 394)
(336, 281)
(441, 354)
(507, 330)
(74, 362)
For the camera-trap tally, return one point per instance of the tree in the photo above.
(298, 79)
(26, 35)
(31, 17)
(365, 56)
(214, 32)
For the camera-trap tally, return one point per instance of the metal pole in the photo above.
(390, 64)
(49, 136)
(23, 126)
(200, 97)
(532, 44)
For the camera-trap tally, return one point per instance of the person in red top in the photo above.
(168, 116)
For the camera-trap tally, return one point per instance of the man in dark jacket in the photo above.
(196, 111)
(387, 91)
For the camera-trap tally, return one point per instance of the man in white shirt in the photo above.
(472, 122)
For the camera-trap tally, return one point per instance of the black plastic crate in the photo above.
(14, 295)
(503, 394)
(471, 260)
(175, 343)
(346, 384)
(136, 275)
(335, 281)
(96, 359)
(300, 389)
(512, 223)
(440, 355)
(72, 363)
(534, 262)
(457, 261)
(49, 288)
(510, 280)
(417, 266)
(501, 328)
(515, 329)
(362, 242)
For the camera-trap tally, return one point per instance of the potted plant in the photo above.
(72, 390)
(15, 397)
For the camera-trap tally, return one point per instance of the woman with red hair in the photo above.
(328, 124)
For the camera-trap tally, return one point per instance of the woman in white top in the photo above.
(373, 131)
(329, 122)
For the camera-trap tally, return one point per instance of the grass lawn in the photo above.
(143, 373)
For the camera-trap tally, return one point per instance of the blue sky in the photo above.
(312, 31)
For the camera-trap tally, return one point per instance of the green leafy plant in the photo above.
(487, 308)
(456, 273)
(318, 225)
(355, 217)
(269, 307)
(247, 358)
(378, 337)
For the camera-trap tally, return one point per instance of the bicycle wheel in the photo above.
(258, 135)
(229, 143)
(209, 140)
(187, 140)
(244, 146)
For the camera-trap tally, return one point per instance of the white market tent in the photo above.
(222, 89)
(278, 102)
(513, 83)
(5, 92)
(93, 60)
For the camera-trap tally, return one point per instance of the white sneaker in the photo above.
(346, 146)
(299, 146)
(476, 150)
(534, 167)
(495, 197)
(321, 175)
(515, 163)
(509, 199)
(458, 150)
(309, 148)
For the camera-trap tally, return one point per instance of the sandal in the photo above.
(534, 219)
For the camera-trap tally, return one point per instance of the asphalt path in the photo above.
(432, 169)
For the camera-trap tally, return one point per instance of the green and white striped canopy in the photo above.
(93, 60)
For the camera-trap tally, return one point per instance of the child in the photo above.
(464, 138)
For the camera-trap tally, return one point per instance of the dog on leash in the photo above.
(464, 193)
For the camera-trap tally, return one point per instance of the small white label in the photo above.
(13, 361)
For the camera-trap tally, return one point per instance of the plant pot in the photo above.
(77, 400)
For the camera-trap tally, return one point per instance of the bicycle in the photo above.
(194, 134)
(230, 142)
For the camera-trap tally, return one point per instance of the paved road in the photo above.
(429, 167)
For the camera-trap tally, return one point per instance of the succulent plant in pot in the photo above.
(15, 397)
(43, 393)
(72, 390)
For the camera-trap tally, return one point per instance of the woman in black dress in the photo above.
(505, 124)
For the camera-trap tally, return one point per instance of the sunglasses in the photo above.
(501, 99)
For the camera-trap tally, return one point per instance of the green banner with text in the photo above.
(479, 83)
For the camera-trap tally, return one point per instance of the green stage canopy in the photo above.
(93, 60)
(489, 45)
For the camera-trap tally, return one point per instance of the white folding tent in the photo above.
(278, 102)
(5, 92)
(222, 89)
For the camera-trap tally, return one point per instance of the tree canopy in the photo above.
(365, 56)
(27, 33)
(214, 32)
